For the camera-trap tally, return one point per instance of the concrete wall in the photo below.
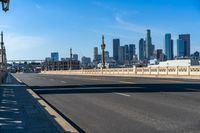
(175, 72)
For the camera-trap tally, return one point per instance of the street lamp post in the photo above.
(103, 46)
(5, 5)
(2, 51)
(70, 59)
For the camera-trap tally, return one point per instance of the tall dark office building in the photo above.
(122, 54)
(116, 45)
(169, 47)
(152, 50)
(95, 54)
(148, 45)
(126, 52)
(180, 48)
(159, 53)
(132, 50)
(186, 39)
(141, 49)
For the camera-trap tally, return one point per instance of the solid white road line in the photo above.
(63, 82)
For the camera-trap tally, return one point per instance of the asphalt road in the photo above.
(122, 104)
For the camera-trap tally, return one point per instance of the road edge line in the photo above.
(58, 120)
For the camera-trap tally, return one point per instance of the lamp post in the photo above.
(5, 5)
(70, 59)
(2, 51)
(103, 46)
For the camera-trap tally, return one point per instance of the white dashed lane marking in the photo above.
(123, 94)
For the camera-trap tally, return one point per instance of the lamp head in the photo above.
(5, 5)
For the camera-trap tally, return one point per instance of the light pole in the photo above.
(2, 51)
(103, 46)
(70, 59)
(5, 5)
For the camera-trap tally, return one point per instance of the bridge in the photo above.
(121, 100)
(20, 61)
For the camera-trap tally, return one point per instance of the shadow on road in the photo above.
(122, 88)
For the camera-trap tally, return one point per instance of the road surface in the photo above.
(122, 104)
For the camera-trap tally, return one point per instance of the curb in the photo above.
(62, 125)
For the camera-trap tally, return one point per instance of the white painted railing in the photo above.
(154, 71)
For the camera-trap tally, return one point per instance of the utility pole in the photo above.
(103, 46)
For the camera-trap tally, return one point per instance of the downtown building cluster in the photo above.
(126, 55)
(148, 52)
(54, 63)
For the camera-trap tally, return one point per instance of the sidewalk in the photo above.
(20, 112)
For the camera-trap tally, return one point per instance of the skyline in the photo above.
(58, 26)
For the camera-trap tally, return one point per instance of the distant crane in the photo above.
(5, 5)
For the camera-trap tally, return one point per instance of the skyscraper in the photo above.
(122, 54)
(106, 56)
(148, 45)
(95, 54)
(152, 51)
(141, 49)
(159, 53)
(54, 56)
(168, 46)
(131, 51)
(116, 45)
(126, 53)
(186, 39)
(180, 48)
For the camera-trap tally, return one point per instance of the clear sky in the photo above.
(35, 28)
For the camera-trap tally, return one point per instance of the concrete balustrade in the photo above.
(191, 71)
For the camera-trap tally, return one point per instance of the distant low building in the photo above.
(85, 62)
(175, 63)
(48, 59)
(61, 65)
(54, 56)
(196, 55)
(75, 57)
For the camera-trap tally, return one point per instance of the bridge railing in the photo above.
(155, 71)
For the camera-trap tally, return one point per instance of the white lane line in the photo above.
(52, 79)
(127, 82)
(122, 94)
(63, 82)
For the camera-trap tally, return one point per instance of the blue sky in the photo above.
(35, 28)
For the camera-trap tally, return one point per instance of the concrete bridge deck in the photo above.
(122, 104)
